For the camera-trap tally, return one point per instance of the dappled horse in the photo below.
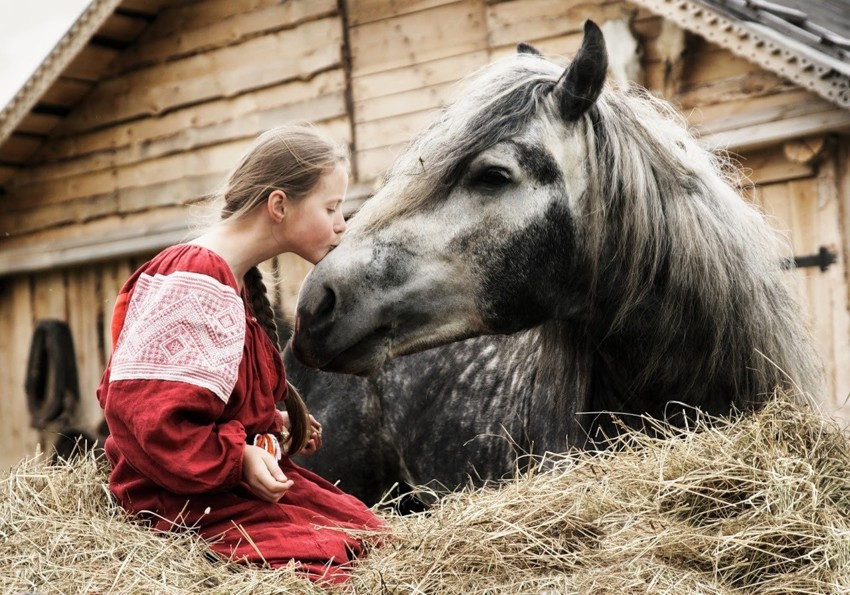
(548, 251)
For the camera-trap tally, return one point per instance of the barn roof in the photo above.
(76, 63)
(806, 42)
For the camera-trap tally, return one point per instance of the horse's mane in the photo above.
(667, 236)
(666, 223)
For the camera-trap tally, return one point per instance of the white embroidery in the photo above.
(183, 326)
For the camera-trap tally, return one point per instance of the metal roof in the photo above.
(822, 25)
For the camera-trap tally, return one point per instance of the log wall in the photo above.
(180, 104)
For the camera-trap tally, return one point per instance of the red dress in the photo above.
(191, 376)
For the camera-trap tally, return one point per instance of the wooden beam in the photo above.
(116, 237)
(760, 135)
(90, 64)
(7, 172)
(750, 111)
(508, 23)
(177, 137)
(18, 148)
(183, 121)
(126, 240)
(372, 164)
(770, 166)
(122, 27)
(257, 63)
(557, 48)
(448, 30)
(416, 76)
(211, 160)
(194, 38)
(36, 123)
(66, 92)
(392, 131)
(746, 86)
(43, 200)
(361, 12)
(149, 6)
(416, 100)
(186, 16)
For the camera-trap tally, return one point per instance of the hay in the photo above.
(756, 505)
(61, 532)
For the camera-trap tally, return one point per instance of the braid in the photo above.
(262, 309)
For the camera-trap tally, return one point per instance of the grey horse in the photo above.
(549, 252)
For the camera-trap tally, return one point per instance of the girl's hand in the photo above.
(263, 475)
(315, 441)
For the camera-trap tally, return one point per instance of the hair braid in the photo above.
(262, 309)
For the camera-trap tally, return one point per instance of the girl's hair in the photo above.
(291, 158)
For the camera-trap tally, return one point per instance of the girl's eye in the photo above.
(492, 178)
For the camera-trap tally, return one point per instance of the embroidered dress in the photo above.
(192, 376)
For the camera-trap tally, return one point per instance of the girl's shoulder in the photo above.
(190, 258)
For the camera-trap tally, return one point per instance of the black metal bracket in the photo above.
(823, 259)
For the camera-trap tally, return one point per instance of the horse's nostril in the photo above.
(326, 306)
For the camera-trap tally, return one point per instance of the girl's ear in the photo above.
(276, 205)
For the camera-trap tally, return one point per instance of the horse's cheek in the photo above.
(525, 274)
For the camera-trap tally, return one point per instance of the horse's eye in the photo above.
(492, 178)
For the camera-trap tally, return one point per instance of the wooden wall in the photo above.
(172, 116)
(180, 104)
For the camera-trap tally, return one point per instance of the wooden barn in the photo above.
(144, 105)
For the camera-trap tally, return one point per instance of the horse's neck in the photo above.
(557, 394)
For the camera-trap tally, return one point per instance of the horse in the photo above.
(551, 260)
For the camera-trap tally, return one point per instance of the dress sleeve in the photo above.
(174, 367)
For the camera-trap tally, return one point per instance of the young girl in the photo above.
(190, 390)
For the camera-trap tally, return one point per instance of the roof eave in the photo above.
(820, 73)
(62, 54)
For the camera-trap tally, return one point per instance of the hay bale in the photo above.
(760, 504)
(61, 532)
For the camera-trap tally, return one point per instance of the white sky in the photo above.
(28, 31)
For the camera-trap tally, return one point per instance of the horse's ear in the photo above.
(527, 48)
(580, 85)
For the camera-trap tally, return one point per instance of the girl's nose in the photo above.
(339, 224)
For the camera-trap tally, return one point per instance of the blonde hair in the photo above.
(291, 158)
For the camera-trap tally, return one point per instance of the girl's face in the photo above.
(315, 223)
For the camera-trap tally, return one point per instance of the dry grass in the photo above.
(758, 505)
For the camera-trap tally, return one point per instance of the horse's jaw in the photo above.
(359, 308)
(362, 359)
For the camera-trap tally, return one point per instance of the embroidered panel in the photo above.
(184, 327)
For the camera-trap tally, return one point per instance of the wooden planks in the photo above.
(194, 126)
(366, 11)
(532, 21)
(197, 33)
(17, 438)
(404, 66)
(171, 180)
(298, 54)
(447, 30)
(770, 166)
(806, 212)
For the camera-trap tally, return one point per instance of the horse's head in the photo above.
(471, 220)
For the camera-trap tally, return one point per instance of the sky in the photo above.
(28, 31)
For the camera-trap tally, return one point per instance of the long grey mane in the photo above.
(668, 230)
(679, 262)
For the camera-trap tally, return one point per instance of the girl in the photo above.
(190, 390)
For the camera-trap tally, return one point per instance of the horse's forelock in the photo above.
(494, 105)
